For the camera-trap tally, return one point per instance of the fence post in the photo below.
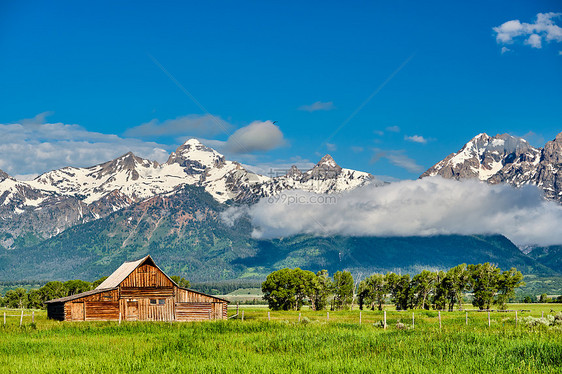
(268, 316)
(237, 307)
(360, 317)
(489, 325)
(209, 315)
(33, 316)
(21, 317)
(413, 320)
(542, 314)
(440, 319)
(4, 318)
(119, 317)
(515, 318)
(327, 316)
(384, 320)
(242, 315)
(299, 316)
(466, 318)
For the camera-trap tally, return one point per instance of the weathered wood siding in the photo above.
(146, 276)
(193, 306)
(101, 310)
(193, 311)
(162, 292)
(141, 309)
(90, 310)
(186, 296)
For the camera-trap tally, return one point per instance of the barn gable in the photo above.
(140, 273)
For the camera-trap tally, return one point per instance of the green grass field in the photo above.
(314, 345)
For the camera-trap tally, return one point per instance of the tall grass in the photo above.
(257, 345)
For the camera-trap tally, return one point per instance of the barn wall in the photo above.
(193, 306)
(102, 306)
(185, 296)
(147, 292)
(101, 311)
(146, 276)
(193, 311)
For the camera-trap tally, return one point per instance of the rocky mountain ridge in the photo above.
(61, 198)
(506, 159)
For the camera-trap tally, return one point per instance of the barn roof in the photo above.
(123, 272)
(79, 295)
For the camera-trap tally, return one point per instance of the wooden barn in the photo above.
(138, 291)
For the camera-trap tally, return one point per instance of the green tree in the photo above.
(439, 298)
(322, 290)
(286, 289)
(508, 281)
(542, 299)
(422, 285)
(457, 280)
(96, 283)
(16, 298)
(76, 286)
(180, 281)
(484, 281)
(52, 290)
(399, 289)
(372, 291)
(343, 288)
(34, 300)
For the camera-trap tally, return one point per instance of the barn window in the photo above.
(162, 301)
(152, 301)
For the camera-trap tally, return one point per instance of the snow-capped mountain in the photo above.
(324, 177)
(74, 195)
(506, 159)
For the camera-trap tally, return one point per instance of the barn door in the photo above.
(132, 311)
(77, 311)
(216, 312)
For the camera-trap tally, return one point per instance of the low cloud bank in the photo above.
(430, 206)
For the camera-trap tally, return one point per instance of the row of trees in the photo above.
(288, 289)
(35, 299)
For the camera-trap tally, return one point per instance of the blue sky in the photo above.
(410, 81)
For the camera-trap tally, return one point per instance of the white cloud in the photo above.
(331, 147)
(393, 129)
(190, 125)
(430, 206)
(319, 105)
(534, 41)
(544, 28)
(398, 158)
(416, 139)
(32, 147)
(258, 136)
(505, 50)
(378, 132)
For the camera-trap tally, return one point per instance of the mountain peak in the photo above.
(193, 153)
(327, 160)
(192, 142)
(3, 176)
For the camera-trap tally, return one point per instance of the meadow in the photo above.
(285, 344)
